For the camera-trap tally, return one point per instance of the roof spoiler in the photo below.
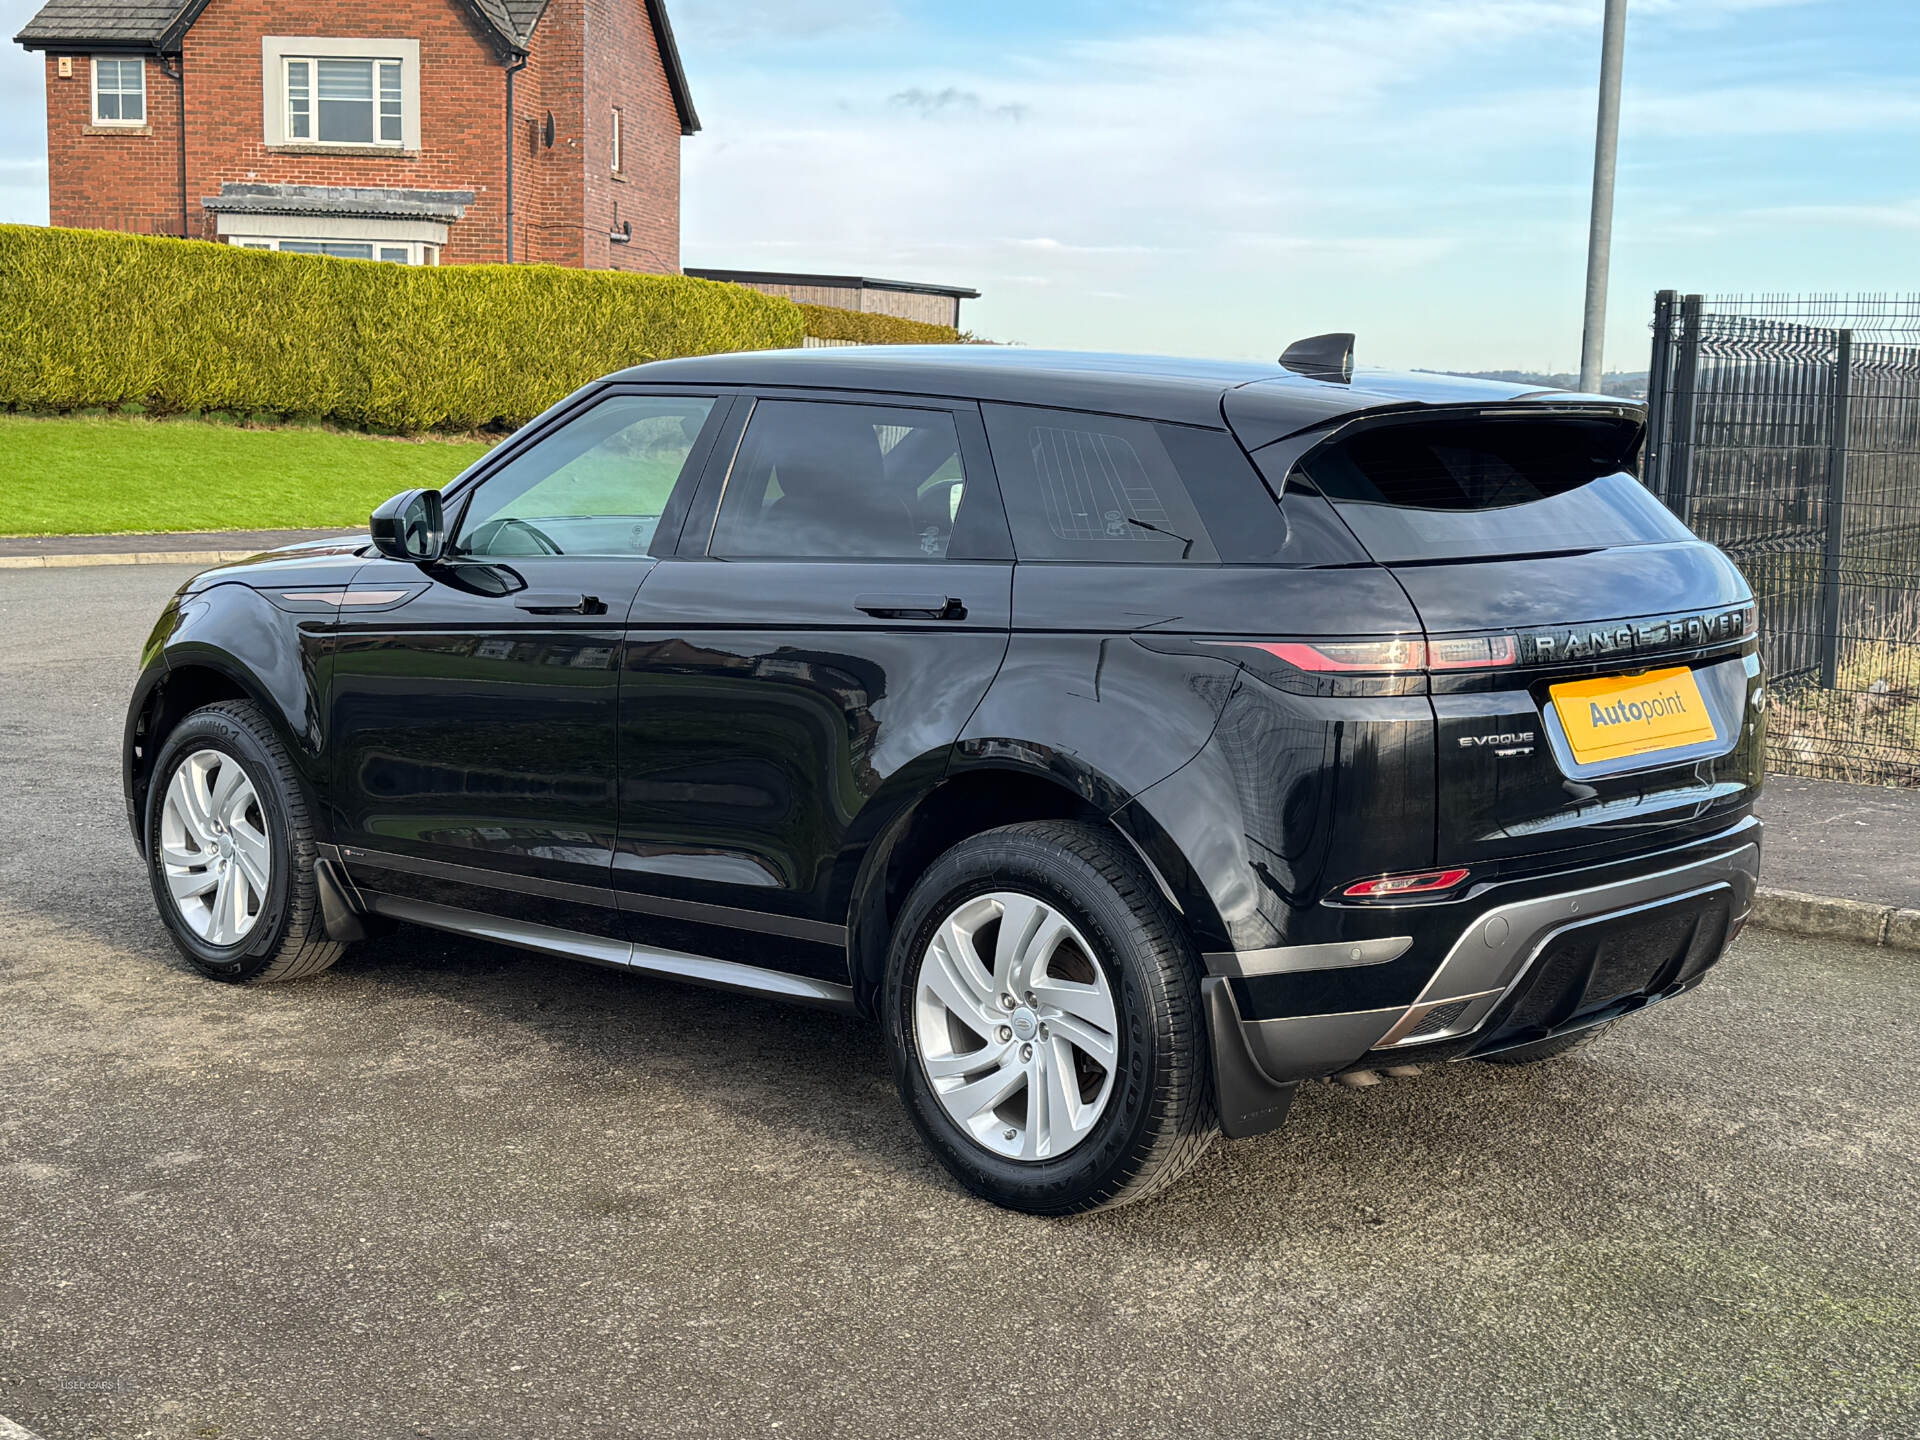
(1323, 357)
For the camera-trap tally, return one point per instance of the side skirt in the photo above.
(620, 954)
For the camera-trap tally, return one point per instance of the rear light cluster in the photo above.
(1392, 887)
(1478, 652)
(1389, 657)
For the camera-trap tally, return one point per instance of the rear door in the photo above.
(1592, 664)
(838, 606)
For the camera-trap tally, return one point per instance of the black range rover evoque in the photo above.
(1134, 739)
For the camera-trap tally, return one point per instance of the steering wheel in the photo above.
(483, 538)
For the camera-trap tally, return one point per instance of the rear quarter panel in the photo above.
(1235, 790)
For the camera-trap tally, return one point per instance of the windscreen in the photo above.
(1475, 488)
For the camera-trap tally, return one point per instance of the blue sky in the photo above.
(1219, 176)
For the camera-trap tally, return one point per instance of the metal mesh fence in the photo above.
(1786, 430)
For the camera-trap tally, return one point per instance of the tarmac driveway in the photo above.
(456, 1191)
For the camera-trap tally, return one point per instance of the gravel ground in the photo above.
(456, 1191)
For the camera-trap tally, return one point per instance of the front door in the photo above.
(473, 702)
(839, 605)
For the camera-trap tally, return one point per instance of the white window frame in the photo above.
(418, 252)
(423, 238)
(142, 122)
(618, 141)
(384, 80)
(277, 50)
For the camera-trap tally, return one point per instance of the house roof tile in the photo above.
(525, 14)
(141, 24)
(512, 20)
(446, 206)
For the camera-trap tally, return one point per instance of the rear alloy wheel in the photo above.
(1017, 1042)
(1044, 1020)
(230, 849)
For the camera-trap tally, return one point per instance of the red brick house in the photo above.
(420, 131)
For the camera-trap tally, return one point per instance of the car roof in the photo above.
(1156, 387)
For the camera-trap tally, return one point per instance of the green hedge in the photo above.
(824, 322)
(93, 318)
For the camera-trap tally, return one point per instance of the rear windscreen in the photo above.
(1465, 489)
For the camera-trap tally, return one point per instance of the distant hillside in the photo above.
(1627, 384)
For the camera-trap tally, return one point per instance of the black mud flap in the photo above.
(1248, 1102)
(339, 910)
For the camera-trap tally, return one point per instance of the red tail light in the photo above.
(1392, 887)
(1388, 657)
(1372, 655)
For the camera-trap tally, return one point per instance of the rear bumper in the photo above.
(1567, 951)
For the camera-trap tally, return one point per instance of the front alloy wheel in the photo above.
(1015, 1026)
(230, 849)
(214, 848)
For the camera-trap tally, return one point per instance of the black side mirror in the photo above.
(411, 526)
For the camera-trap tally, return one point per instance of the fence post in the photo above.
(1836, 511)
(1659, 402)
(1678, 461)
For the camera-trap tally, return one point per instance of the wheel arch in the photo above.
(189, 677)
(984, 797)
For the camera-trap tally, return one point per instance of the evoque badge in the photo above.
(1519, 742)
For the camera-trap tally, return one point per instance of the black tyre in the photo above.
(1547, 1049)
(230, 850)
(1044, 1021)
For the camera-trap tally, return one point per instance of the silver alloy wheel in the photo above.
(1020, 1047)
(214, 849)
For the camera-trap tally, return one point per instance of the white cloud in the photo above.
(1241, 171)
(1050, 246)
(1772, 110)
(1900, 215)
(744, 22)
(1527, 116)
(1249, 169)
(954, 102)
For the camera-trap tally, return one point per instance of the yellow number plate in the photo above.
(1613, 717)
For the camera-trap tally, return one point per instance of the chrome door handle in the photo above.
(911, 607)
(544, 603)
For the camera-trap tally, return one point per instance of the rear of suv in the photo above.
(1134, 739)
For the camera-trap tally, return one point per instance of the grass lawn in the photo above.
(98, 475)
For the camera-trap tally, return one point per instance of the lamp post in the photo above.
(1606, 150)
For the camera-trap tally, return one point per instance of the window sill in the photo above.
(385, 152)
(117, 130)
(619, 175)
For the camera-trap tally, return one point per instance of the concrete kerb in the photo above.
(1827, 918)
(131, 557)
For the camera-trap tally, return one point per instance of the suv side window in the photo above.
(1092, 487)
(820, 480)
(595, 486)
